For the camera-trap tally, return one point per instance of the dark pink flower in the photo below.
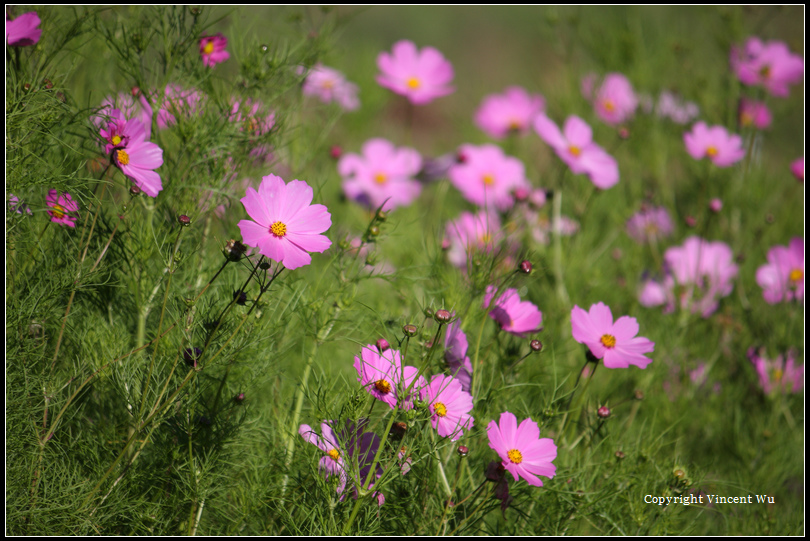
(517, 317)
(615, 102)
(420, 76)
(329, 85)
(23, 31)
(472, 234)
(382, 375)
(797, 168)
(716, 143)
(382, 174)
(449, 405)
(284, 225)
(511, 112)
(212, 50)
(777, 375)
(615, 343)
(487, 177)
(574, 146)
(136, 157)
(523, 452)
(770, 64)
(115, 109)
(782, 278)
(650, 224)
(752, 113)
(64, 210)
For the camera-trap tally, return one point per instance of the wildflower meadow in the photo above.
(404, 270)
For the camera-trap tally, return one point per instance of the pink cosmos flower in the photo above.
(797, 168)
(471, 234)
(455, 353)
(753, 113)
(716, 143)
(782, 278)
(449, 406)
(420, 76)
(15, 205)
(212, 50)
(64, 210)
(23, 31)
(574, 146)
(517, 317)
(511, 112)
(770, 64)
(523, 452)
(649, 224)
(780, 374)
(329, 85)
(284, 225)
(382, 174)
(615, 102)
(676, 109)
(487, 177)
(118, 108)
(136, 157)
(334, 462)
(383, 376)
(615, 343)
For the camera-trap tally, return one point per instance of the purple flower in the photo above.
(517, 317)
(782, 278)
(650, 224)
(716, 143)
(212, 50)
(455, 353)
(329, 85)
(284, 225)
(449, 406)
(780, 374)
(523, 452)
(487, 177)
(382, 375)
(615, 343)
(23, 31)
(334, 463)
(511, 112)
(753, 113)
(15, 205)
(574, 146)
(471, 234)
(420, 76)
(64, 210)
(382, 174)
(615, 102)
(770, 64)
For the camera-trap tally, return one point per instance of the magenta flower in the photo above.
(523, 452)
(615, 343)
(471, 234)
(487, 177)
(136, 157)
(511, 112)
(716, 143)
(116, 109)
(517, 317)
(780, 374)
(23, 31)
(574, 146)
(650, 224)
(752, 113)
(420, 76)
(782, 278)
(212, 50)
(64, 210)
(284, 225)
(770, 64)
(383, 376)
(382, 174)
(797, 168)
(329, 85)
(455, 353)
(615, 102)
(449, 406)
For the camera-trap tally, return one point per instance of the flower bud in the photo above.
(135, 91)
(521, 194)
(184, 220)
(442, 316)
(690, 221)
(264, 48)
(374, 231)
(462, 451)
(603, 412)
(624, 133)
(409, 329)
(134, 191)
(382, 215)
(234, 250)
(239, 398)
(525, 266)
(716, 205)
(47, 84)
(382, 344)
(639, 394)
(240, 297)
(264, 265)
(619, 455)
(536, 345)
(335, 152)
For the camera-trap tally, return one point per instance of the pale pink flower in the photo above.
(753, 113)
(284, 225)
(472, 234)
(615, 102)
(770, 64)
(64, 210)
(523, 452)
(675, 108)
(22, 31)
(212, 50)
(334, 461)
(517, 317)
(449, 406)
(511, 112)
(615, 343)
(382, 174)
(782, 278)
(329, 85)
(487, 177)
(382, 375)
(574, 145)
(716, 143)
(650, 224)
(455, 353)
(420, 76)
(781, 374)
(176, 102)
(15, 205)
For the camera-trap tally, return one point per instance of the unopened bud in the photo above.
(442, 316)
(619, 455)
(264, 265)
(536, 345)
(462, 450)
(190, 355)
(47, 84)
(690, 221)
(624, 133)
(445, 244)
(234, 250)
(239, 398)
(374, 231)
(409, 329)
(639, 394)
(184, 220)
(521, 194)
(525, 266)
(335, 152)
(382, 344)
(240, 297)
(382, 215)
(461, 157)
(603, 412)
(135, 91)
(716, 205)
(134, 191)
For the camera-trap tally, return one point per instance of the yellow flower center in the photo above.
(382, 386)
(489, 180)
(515, 125)
(712, 151)
(575, 150)
(440, 409)
(209, 47)
(765, 72)
(58, 211)
(380, 178)
(116, 140)
(278, 229)
(777, 375)
(608, 105)
(515, 456)
(413, 83)
(328, 84)
(608, 340)
(796, 275)
(123, 157)
(746, 119)
(334, 454)
(486, 238)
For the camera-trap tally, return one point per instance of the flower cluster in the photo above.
(126, 141)
(769, 64)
